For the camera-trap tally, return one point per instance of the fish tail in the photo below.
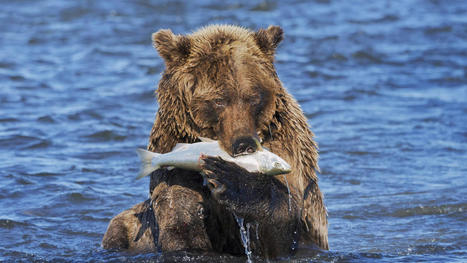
(146, 162)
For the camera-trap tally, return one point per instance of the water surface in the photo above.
(383, 84)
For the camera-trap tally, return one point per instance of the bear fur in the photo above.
(220, 83)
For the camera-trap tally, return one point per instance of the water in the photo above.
(245, 236)
(383, 84)
(288, 191)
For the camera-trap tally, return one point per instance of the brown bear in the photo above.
(220, 83)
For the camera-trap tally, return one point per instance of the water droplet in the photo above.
(257, 231)
(288, 190)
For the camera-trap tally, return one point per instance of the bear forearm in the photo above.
(265, 200)
(276, 228)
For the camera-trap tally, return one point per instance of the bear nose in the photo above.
(244, 145)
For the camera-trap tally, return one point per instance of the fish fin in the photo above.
(204, 139)
(146, 162)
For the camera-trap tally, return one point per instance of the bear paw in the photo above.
(232, 185)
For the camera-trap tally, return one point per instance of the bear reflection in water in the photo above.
(220, 83)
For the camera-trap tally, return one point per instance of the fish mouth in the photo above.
(286, 170)
(275, 172)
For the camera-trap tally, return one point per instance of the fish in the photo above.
(188, 156)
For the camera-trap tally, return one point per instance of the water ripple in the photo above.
(431, 210)
(9, 224)
(106, 135)
(382, 83)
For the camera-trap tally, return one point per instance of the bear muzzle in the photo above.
(245, 145)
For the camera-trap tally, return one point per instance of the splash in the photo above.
(245, 235)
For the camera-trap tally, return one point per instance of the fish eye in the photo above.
(277, 165)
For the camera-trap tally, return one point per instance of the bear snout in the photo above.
(245, 145)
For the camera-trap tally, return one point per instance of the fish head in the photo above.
(274, 165)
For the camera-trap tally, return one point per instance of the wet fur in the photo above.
(229, 71)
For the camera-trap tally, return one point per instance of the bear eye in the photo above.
(219, 103)
(255, 100)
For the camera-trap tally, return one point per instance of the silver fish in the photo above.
(188, 156)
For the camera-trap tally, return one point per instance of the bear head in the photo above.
(220, 82)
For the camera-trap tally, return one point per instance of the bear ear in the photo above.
(269, 39)
(171, 47)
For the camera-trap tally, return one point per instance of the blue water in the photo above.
(383, 84)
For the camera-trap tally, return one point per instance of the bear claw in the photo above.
(216, 187)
